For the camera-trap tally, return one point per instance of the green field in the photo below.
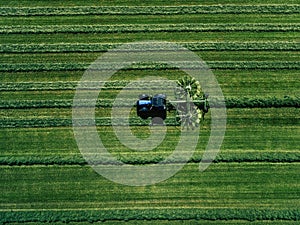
(252, 48)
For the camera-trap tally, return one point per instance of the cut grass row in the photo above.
(148, 19)
(244, 36)
(149, 10)
(192, 46)
(259, 186)
(230, 65)
(209, 56)
(141, 28)
(250, 157)
(44, 3)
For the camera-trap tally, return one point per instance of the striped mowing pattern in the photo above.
(250, 180)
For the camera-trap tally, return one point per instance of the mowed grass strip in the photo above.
(244, 186)
(271, 135)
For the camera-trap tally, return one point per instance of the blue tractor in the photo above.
(153, 107)
(190, 103)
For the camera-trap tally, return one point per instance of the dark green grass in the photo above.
(170, 214)
(165, 222)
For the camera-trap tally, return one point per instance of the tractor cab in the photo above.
(155, 106)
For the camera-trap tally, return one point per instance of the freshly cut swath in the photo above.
(193, 46)
(246, 65)
(149, 10)
(138, 28)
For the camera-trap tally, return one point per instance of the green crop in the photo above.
(221, 214)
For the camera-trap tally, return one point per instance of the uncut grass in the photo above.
(160, 36)
(228, 185)
(148, 19)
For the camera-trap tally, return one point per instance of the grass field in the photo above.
(252, 48)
